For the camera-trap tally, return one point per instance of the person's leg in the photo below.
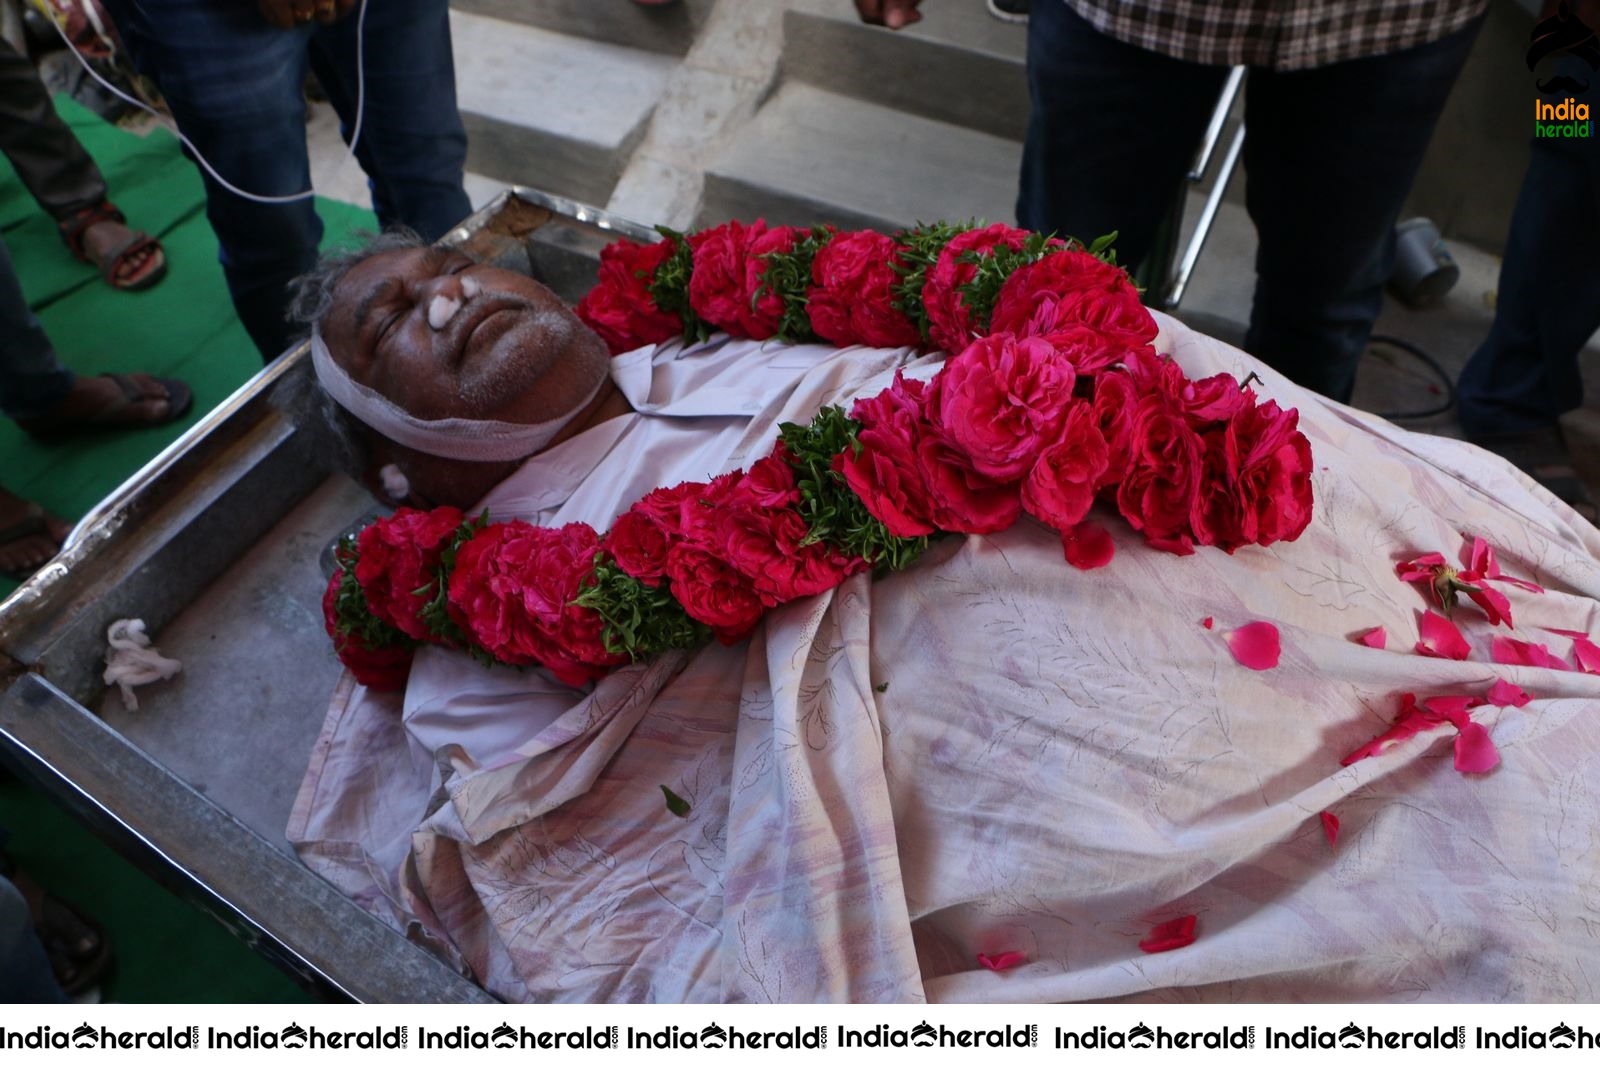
(233, 82)
(1330, 154)
(47, 157)
(25, 975)
(32, 380)
(1112, 131)
(1525, 374)
(413, 144)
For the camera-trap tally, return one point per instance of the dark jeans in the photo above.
(1329, 157)
(234, 84)
(32, 379)
(25, 975)
(1525, 374)
(47, 157)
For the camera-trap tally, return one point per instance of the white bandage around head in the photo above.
(478, 440)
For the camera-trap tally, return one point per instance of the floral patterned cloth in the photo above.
(995, 753)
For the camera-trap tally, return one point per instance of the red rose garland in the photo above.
(1054, 400)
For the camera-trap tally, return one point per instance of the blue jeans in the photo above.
(234, 84)
(1329, 157)
(32, 379)
(1525, 374)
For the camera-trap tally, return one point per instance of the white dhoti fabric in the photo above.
(993, 752)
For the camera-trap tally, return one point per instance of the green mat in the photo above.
(184, 327)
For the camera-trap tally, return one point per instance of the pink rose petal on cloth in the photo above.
(1514, 653)
(1087, 546)
(1475, 753)
(1451, 709)
(1207, 622)
(1495, 604)
(1377, 637)
(1004, 961)
(1503, 694)
(1255, 645)
(1485, 567)
(1330, 826)
(1175, 933)
(1410, 722)
(1440, 638)
(1585, 651)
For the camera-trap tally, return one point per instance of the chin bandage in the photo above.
(474, 440)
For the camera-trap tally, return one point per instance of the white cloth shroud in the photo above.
(1060, 760)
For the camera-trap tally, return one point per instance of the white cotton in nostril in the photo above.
(469, 287)
(441, 309)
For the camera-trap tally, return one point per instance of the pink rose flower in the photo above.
(1002, 400)
(1060, 488)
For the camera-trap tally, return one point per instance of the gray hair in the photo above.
(311, 294)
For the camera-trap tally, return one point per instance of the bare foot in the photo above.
(29, 536)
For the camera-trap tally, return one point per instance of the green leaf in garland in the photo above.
(639, 620)
(832, 512)
(919, 249)
(352, 617)
(789, 275)
(670, 287)
(676, 804)
(435, 614)
(994, 266)
(1101, 246)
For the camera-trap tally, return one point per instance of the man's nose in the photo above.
(443, 297)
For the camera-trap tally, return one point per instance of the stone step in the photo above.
(559, 113)
(668, 28)
(958, 65)
(813, 156)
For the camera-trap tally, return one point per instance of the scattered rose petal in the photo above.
(1440, 638)
(1587, 655)
(1452, 709)
(1255, 645)
(1503, 694)
(1495, 604)
(1174, 933)
(1564, 633)
(1330, 827)
(1087, 546)
(1207, 622)
(1484, 567)
(1410, 722)
(1377, 637)
(1514, 653)
(1475, 753)
(1004, 961)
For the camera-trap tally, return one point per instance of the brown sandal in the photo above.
(74, 232)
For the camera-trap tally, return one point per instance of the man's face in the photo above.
(445, 337)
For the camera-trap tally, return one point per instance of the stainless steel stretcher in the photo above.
(215, 545)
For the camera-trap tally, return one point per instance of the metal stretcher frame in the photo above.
(150, 549)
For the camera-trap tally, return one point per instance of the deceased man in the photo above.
(1139, 692)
